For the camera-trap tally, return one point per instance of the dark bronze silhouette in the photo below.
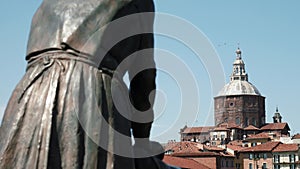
(62, 113)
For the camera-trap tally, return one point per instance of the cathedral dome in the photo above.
(239, 84)
(239, 101)
(238, 87)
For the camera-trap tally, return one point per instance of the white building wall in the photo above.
(296, 141)
(285, 158)
(286, 140)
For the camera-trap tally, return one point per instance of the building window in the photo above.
(253, 121)
(227, 164)
(246, 121)
(276, 166)
(237, 121)
(250, 156)
(215, 137)
(276, 158)
(250, 166)
(264, 166)
(253, 144)
(292, 166)
(169, 152)
(265, 156)
(292, 158)
(231, 104)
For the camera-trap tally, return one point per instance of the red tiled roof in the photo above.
(296, 136)
(236, 142)
(221, 129)
(196, 154)
(235, 147)
(227, 155)
(259, 136)
(183, 147)
(266, 147)
(228, 125)
(251, 127)
(183, 163)
(235, 127)
(275, 126)
(213, 148)
(197, 129)
(286, 148)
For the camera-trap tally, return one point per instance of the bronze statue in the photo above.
(62, 113)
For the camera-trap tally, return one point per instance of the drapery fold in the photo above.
(49, 126)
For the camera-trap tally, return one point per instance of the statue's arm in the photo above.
(143, 84)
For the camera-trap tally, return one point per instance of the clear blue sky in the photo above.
(268, 33)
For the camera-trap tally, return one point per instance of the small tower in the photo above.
(277, 117)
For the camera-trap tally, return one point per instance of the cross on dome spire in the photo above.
(239, 72)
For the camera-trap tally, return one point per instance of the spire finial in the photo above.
(238, 53)
(277, 108)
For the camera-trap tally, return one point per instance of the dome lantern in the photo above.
(239, 72)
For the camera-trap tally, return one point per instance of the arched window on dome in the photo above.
(237, 121)
(253, 121)
(246, 121)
